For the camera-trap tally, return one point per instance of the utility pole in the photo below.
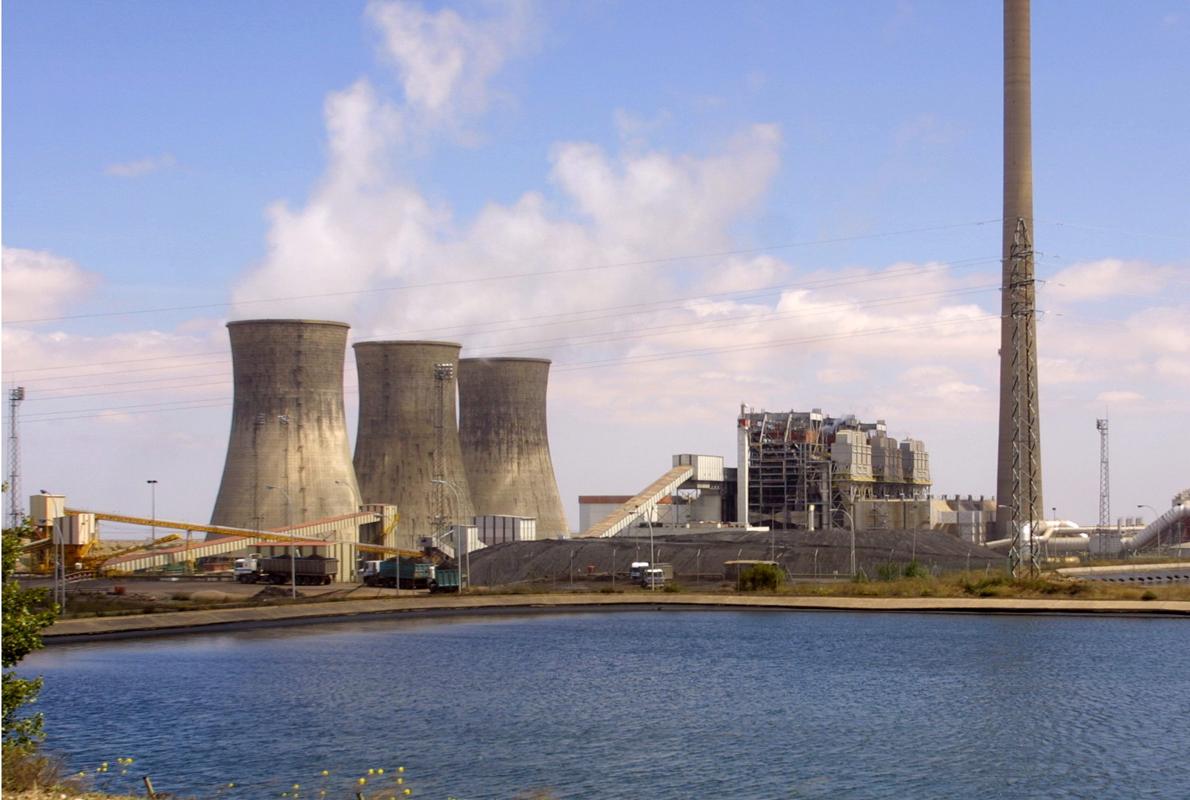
(15, 507)
(153, 507)
(444, 375)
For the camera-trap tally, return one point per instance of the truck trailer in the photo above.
(413, 574)
(308, 570)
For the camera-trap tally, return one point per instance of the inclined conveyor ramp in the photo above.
(627, 514)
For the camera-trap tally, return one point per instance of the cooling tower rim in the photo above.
(333, 323)
(405, 342)
(507, 359)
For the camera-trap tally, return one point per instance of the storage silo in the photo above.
(502, 427)
(288, 429)
(408, 434)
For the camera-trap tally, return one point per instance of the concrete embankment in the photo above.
(272, 616)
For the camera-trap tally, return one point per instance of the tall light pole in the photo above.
(652, 565)
(153, 507)
(459, 530)
(1155, 515)
(292, 543)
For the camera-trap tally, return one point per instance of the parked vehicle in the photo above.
(413, 574)
(636, 571)
(309, 570)
(657, 575)
(445, 580)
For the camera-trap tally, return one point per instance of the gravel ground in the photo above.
(699, 558)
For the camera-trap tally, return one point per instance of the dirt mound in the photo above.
(274, 593)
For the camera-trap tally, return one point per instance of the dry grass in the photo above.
(979, 584)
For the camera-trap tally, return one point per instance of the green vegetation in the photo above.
(25, 613)
(761, 577)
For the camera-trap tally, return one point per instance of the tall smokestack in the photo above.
(506, 449)
(288, 429)
(1019, 421)
(408, 434)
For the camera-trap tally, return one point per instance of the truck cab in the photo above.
(654, 576)
(370, 572)
(636, 571)
(246, 569)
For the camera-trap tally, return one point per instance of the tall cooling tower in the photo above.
(502, 425)
(408, 434)
(288, 430)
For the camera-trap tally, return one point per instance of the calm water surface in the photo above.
(642, 705)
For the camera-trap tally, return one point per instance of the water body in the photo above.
(737, 704)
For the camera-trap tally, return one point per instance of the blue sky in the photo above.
(176, 154)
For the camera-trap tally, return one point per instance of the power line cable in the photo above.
(509, 276)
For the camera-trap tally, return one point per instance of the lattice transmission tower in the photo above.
(1104, 476)
(1026, 437)
(16, 512)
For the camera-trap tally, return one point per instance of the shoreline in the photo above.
(175, 623)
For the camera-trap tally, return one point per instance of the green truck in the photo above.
(445, 580)
(413, 574)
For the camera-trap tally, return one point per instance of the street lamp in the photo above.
(1155, 515)
(292, 543)
(153, 507)
(652, 566)
(458, 507)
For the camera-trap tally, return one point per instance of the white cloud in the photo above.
(444, 61)
(1105, 279)
(141, 166)
(1119, 397)
(38, 284)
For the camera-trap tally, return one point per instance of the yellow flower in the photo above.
(362, 781)
(408, 791)
(400, 769)
(380, 771)
(371, 772)
(400, 780)
(231, 786)
(326, 772)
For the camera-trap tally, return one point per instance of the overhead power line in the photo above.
(510, 276)
(617, 311)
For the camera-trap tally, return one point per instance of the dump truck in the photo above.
(413, 574)
(309, 570)
(445, 580)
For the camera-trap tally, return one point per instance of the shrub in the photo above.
(1149, 595)
(915, 569)
(672, 587)
(24, 614)
(761, 577)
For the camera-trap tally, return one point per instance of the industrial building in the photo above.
(805, 469)
(407, 450)
(504, 439)
(288, 458)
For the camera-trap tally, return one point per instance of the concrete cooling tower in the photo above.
(408, 434)
(502, 426)
(288, 429)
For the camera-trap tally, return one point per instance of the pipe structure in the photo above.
(408, 434)
(288, 428)
(1082, 541)
(1018, 205)
(506, 449)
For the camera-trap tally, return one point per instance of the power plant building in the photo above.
(505, 441)
(407, 449)
(288, 458)
(805, 469)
